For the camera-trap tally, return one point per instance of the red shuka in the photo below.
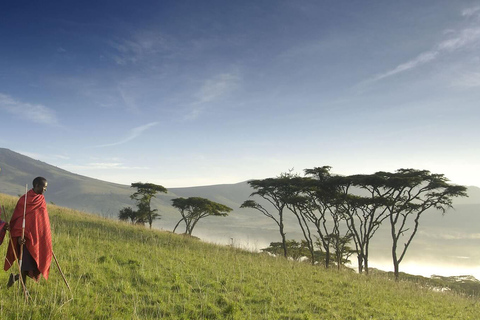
(2, 228)
(37, 232)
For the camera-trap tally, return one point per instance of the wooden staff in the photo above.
(23, 227)
(60, 269)
(20, 278)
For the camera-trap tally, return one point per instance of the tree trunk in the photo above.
(396, 264)
(360, 263)
(187, 226)
(177, 225)
(365, 258)
(396, 269)
(284, 241)
(327, 257)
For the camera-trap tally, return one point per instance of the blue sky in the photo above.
(185, 93)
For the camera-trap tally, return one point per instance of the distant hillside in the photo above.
(96, 196)
(65, 188)
(451, 240)
(106, 199)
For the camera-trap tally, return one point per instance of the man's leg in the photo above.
(12, 279)
(24, 277)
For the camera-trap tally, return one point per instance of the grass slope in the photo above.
(119, 271)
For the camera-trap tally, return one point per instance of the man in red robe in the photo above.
(37, 248)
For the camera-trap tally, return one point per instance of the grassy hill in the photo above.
(119, 271)
(450, 241)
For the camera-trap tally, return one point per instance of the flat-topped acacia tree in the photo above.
(143, 197)
(364, 213)
(408, 193)
(195, 208)
(276, 191)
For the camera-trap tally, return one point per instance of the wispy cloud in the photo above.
(102, 166)
(211, 90)
(127, 98)
(137, 48)
(462, 39)
(134, 133)
(471, 11)
(451, 235)
(59, 156)
(127, 51)
(418, 61)
(44, 157)
(31, 112)
(457, 41)
(467, 80)
(217, 87)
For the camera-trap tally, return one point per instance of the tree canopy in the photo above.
(277, 191)
(127, 213)
(195, 208)
(356, 204)
(408, 194)
(143, 197)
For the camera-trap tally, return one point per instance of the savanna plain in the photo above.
(120, 271)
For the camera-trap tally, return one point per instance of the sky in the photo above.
(189, 93)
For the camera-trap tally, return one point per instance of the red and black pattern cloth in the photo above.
(2, 227)
(38, 235)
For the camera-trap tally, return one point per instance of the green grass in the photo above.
(119, 271)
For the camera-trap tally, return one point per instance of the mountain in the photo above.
(450, 240)
(93, 195)
(106, 199)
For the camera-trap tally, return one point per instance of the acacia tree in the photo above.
(277, 192)
(195, 208)
(409, 193)
(143, 197)
(296, 250)
(298, 204)
(342, 250)
(324, 207)
(363, 214)
(127, 213)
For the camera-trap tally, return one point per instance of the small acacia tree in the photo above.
(195, 208)
(342, 250)
(143, 197)
(296, 250)
(127, 213)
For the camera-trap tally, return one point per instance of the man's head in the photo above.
(40, 185)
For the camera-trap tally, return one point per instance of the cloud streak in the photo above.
(212, 89)
(140, 47)
(36, 113)
(468, 80)
(451, 235)
(102, 166)
(217, 87)
(418, 61)
(134, 133)
(471, 11)
(460, 40)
